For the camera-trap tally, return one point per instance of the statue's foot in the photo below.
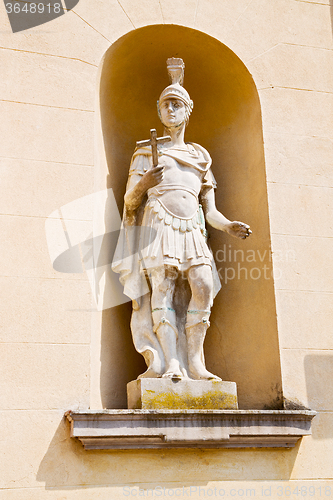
(199, 372)
(149, 373)
(173, 371)
(172, 375)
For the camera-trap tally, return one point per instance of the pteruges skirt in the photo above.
(166, 239)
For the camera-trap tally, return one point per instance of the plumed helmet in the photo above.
(176, 90)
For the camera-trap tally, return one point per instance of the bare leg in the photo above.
(164, 318)
(201, 283)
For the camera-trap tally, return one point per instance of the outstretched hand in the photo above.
(238, 229)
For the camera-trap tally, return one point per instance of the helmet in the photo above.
(176, 68)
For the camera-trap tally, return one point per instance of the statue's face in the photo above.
(173, 112)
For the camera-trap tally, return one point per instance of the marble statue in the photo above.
(162, 255)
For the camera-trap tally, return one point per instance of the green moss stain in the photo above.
(216, 400)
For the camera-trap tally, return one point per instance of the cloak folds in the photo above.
(127, 261)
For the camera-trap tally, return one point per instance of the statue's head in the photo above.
(175, 92)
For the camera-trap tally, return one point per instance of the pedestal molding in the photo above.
(145, 429)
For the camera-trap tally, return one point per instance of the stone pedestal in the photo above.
(163, 393)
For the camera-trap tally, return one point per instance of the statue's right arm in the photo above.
(218, 220)
(138, 185)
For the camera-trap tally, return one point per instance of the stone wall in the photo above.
(52, 334)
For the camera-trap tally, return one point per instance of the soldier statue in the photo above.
(169, 197)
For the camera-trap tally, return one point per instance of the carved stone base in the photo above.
(146, 429)
(163, 393)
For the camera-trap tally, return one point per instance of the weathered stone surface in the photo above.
(140, 429)
(158, 393)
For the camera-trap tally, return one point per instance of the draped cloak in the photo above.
(126, 261)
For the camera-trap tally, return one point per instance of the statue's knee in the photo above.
(202, 293)
(163, 284)
(166, 287)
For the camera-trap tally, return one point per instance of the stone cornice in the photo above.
(146, 429)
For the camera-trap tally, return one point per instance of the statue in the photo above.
(162, 250)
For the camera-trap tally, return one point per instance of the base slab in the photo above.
(158, 429)
(163, 393)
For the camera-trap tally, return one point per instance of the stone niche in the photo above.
(242, 341)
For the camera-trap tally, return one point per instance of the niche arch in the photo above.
(242, 342)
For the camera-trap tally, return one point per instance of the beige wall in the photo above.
(48, 86)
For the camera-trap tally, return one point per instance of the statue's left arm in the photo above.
(218, 220)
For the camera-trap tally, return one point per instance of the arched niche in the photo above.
(242, 342)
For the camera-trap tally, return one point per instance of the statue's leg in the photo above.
(201, 282)
(164, 318)
(145, 340)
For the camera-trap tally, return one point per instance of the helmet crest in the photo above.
(175, 67)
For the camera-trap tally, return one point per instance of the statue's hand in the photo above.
(153, 177)
(238, 229)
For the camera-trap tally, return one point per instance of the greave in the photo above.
(196, 326)
(195, 317)
(164, 316)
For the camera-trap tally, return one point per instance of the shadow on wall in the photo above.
(67, 466)
(242, 342)
(319, 386)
